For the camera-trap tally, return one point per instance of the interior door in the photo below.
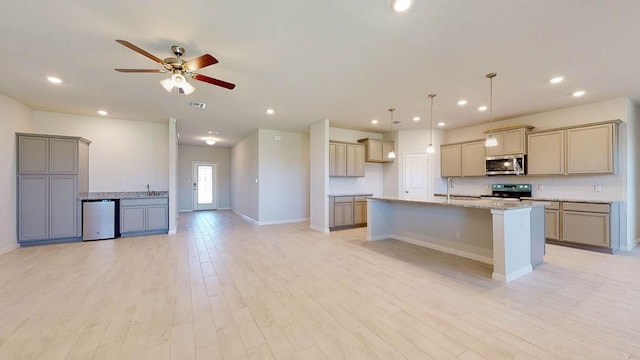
(205, 185)
(416, 182)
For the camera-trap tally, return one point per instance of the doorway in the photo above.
(416, 180)
(205, 185)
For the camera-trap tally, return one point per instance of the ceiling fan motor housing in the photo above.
(177, 50)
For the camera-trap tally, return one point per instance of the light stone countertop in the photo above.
(123, 195)
(570, 200)
(350, 194)
(489, 204)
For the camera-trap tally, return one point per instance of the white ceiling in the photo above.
(347, 61)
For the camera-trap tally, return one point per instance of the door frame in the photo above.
(214, 179)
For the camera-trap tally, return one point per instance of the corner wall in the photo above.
(319, 176)
(15, 118)
(283, 176)
(186, 156)
(244, 177)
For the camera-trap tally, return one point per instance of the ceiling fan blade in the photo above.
(213, 81)
(140, 51)
(141, 70)
(200, 62)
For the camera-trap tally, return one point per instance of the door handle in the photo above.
(406, 192)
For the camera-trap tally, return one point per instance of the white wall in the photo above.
(124, 155)
(186, 156)
(244, 177)
(15, 118)
(416, 141)
(319, 176)
(283, 176)
(372, 182)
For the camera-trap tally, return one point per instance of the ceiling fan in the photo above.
(179, 68)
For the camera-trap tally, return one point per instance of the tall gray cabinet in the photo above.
(52, 172)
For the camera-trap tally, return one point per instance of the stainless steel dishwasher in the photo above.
(98, 219)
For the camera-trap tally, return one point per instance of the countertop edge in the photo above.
(355, 194)
(570, 200)
(117, 195)
(472, 204)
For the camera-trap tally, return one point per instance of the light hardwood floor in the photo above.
(226, 289)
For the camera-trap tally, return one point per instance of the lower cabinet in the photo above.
(144, 216)
(47, 208)
(347, 211)
(587, 225)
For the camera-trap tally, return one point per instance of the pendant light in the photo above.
(391, 154)
(491, 140)
(430, 148)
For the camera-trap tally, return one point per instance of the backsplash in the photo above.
(564, 187)
(371, 183)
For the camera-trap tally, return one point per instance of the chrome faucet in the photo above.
(449, 185)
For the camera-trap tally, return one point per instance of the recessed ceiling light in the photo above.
(54, 80)
(401, 5)
(103, 112)
(374, 121)
(416, 118)
(578, 93)
(462, 102)
(270, 111)
(210, 142)
(482, 108)
(556, 80)
(441, 124)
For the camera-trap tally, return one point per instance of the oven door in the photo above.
(505, 165)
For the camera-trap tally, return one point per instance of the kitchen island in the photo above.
(507, 234)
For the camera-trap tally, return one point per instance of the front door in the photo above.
(415, 175)
(205, 185)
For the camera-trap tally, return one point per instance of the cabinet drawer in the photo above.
(553, 205)
(359, 198)
(343, 199)
(143, 202)
(598, 208)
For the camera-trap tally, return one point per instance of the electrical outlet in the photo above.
(597, 188)
(541, 187)
(458, 234)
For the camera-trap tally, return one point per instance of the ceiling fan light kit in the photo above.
(179, 69)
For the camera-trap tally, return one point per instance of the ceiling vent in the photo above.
(197, 104)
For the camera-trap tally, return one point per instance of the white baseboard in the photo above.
(282, 221)
(319, 229)
(185, 211)
(249, 219)
(514, 275)
(9, 248)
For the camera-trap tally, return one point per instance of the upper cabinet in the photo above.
(47, 155)
(546, 153)
(590, 149)
(346, 160)
(510, 141)
(463, 159)
(377, 150)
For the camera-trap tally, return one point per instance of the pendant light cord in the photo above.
(491, 76)
(431, 121)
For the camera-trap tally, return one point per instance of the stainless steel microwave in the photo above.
(506, 165)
